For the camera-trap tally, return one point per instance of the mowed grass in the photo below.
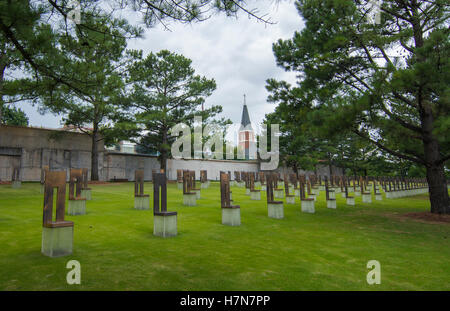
(328, 250)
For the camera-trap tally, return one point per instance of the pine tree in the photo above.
(386, 82)
(165, 91)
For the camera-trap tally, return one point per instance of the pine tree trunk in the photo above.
(94, 154)
(437, 186)
(163, 161)
(437, 183)
(2, 73)
(163, 157)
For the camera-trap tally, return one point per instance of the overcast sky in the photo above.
(237, 53)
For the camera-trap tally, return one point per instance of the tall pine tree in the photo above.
(386, 82)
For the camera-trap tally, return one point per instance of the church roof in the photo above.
(245, 118)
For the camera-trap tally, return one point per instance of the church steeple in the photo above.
(247, 141)
(245, 120)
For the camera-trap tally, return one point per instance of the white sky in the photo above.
(237, 53)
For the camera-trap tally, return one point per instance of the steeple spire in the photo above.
(245, 120)
(247, 142)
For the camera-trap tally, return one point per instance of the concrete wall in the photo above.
(123, 165)
(213, 167)
(32, 148)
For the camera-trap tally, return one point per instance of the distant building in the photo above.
(247, 139)
(126, 147)
(76, 129)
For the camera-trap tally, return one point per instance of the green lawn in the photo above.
(327, 250)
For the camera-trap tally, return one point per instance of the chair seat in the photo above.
(164, 213)
(77, 199)
(232, 206)
(59, 224)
